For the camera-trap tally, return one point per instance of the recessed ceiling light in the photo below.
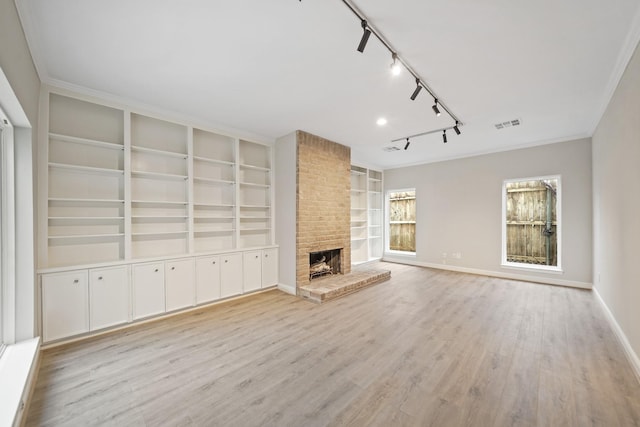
(381, 121)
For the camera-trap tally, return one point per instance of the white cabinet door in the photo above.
(148, 290)
(65, 304)
(109, 295)
(207, 279)
(230, 274)
(252, 271)
(180, 286)
(269, 267)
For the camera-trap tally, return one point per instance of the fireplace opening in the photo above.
(324, 262)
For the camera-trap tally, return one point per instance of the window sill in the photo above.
(16, 366)
(400, 254)
(532, 267)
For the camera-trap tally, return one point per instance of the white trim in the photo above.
(503, 246)
(532, 267)
(8, 225)
(18, 374)
(633, 358)
(287, 289)
(387, 221)
(498, 274)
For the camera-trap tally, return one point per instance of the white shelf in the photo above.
(251, 184)
(159, 233)
(86, 218)
(255, 207)
(358, 209)
(86, 141)
(213, 181)
(357, 191)
(360, 227)
(255, 217)
(156, 152)
(213, 161)
(214, 231)
(212, 205)
(255, 229)
(89, 169)
(85, 236)
(159, 217)
(358, 239)
(226, 218)
(158, 202)
(252, 167)
(74, 200)
(158, 175)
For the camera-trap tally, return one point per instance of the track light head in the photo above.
(395, 65)
(417, 91)
(365, 36)
(444, 136)
(435, 108)
(456, 129)
(407, 144)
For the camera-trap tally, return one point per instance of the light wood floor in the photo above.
(427, 348)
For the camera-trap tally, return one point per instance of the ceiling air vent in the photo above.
(507, 124)
(391, 148)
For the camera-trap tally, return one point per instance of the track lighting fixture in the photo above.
(395, 65)
(417, 91)
(444, 136)
(365, 36)
(435, 107)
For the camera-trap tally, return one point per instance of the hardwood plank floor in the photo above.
(427, 348)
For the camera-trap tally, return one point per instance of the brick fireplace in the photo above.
(323, 202)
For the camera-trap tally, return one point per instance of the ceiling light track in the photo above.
(397, 59)
(429, 132)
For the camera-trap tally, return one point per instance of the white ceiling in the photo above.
(268, 68)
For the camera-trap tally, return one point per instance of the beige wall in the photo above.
(616, 207)
(20, 102)
(16, 62)
(459, 208)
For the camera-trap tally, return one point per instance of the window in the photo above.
(531, 223)
(401, 224)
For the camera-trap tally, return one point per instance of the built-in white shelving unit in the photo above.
(141, 216)
(375, 214)
(366, 214)
(122, 185)
(85, 198)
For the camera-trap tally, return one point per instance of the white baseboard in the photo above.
(628, 350)
(499, 274)
(287, 289)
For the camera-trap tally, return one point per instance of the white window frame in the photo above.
(7, 234)
(387, 223)
(503, 212)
